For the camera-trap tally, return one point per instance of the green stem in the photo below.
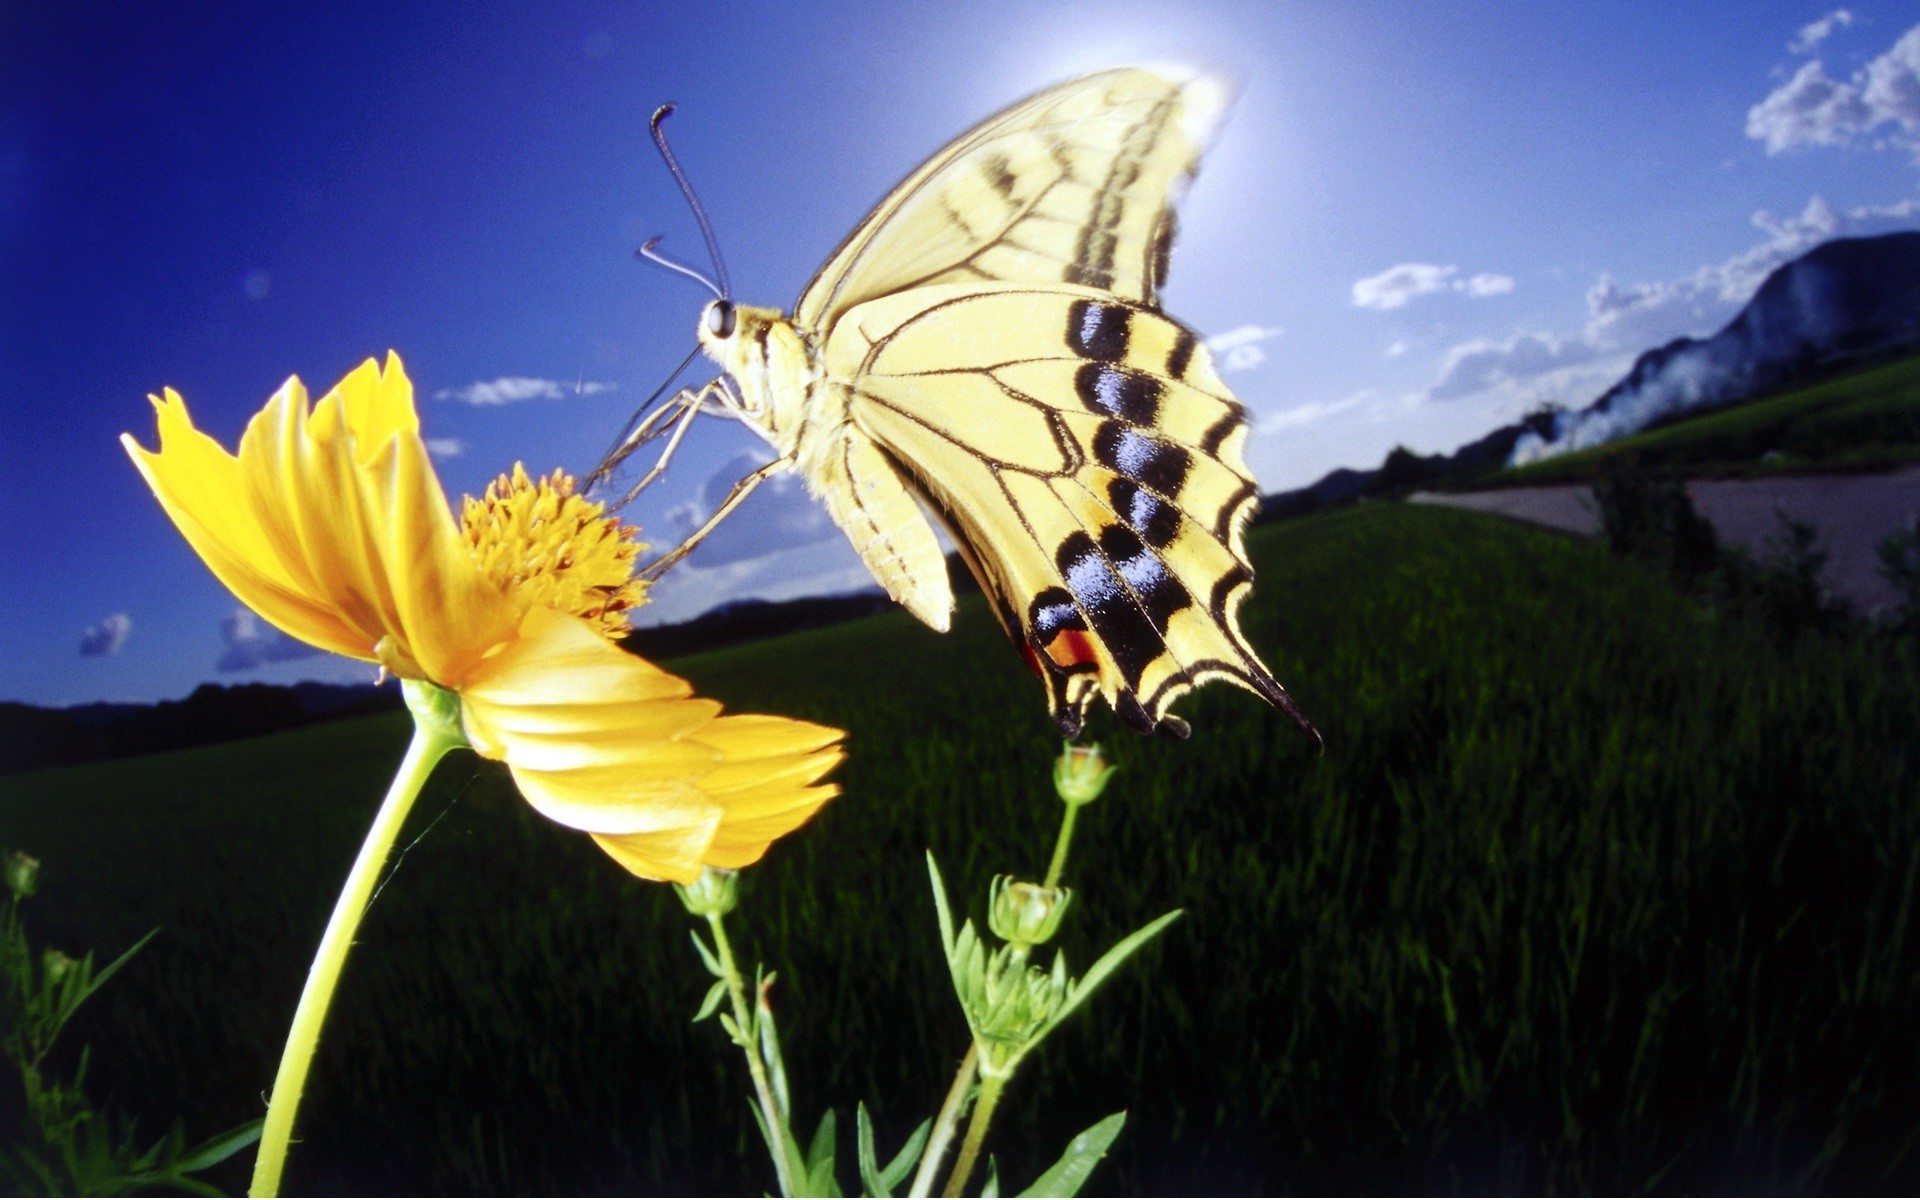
(1058, 866)
(426, 749)
(990, 1087)
(779, 1137)
(944, 1125)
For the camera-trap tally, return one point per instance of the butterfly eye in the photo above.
(720, 319)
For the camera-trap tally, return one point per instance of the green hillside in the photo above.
(1863, 421)
(1591, 891)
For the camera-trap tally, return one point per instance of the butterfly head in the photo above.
(768, 360)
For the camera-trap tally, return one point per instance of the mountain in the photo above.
(1841, 304)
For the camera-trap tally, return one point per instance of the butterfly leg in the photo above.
(690, 405)
(740, 492)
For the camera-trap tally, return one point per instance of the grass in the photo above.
(1866, 420)
(1592, 891)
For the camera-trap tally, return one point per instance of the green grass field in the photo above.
(1592, 891)
(1866, 420)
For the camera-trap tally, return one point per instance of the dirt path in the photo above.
(1852, 513)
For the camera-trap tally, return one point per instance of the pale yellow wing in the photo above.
(1089, 460)
(869, 498)
(1074, 185)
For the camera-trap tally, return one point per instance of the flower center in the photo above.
(538, 541)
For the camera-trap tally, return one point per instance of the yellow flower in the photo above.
(331, 524)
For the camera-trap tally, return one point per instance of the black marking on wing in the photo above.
(1159, 256)
(1160, 465)
(998, 170)
(1098, 330)
(1156, 521)
(1216, 434)
(1130, 395)
(1178, 359)
(1092, 264)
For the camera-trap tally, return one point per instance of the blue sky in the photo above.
(1419, 221)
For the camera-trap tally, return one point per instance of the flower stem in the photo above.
(1058, 866)
(428, 745)
(944, 1125)
(990, 1088)
(779, 1138)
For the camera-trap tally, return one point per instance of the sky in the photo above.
(1419, 221)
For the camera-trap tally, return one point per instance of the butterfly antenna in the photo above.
(686, 189)
(660, 260)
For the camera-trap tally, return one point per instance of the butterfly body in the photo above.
(988, 348)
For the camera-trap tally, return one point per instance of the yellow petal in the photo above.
(203, 489)
(595, 736)
(601, 740)
(673, 855)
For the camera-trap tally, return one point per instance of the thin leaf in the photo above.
(1069, 1175)
(868, 1159)
(712, 1002)
(992, 1190)
(940, 906)
(113, 968)
(707, 956)
(908, 1158)
(820, 1180)
(220, 1148)
(1108, 964)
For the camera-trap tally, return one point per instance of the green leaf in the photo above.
(820, 1180)
(1069, 1175)
(712, 1002)
(992, 1190)
(220, 1148)
(940, 906)
(869, 1160)
(905, 1161)
(707, 956)
(1108, 964)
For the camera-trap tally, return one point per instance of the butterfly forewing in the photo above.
(1075, 186)
(1087, 449)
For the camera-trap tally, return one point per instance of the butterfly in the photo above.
(988, 347)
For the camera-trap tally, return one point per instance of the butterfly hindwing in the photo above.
(1088, 456)
(1075, 185)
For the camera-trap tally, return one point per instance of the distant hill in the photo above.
(1844, 304)
(32, 737)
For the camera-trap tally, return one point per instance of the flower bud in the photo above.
(23, 874)
(1026, 912)
(1080, 774)
(713, 894)
(57, 966)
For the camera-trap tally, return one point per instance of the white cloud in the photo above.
(1396, 285)
(252, 643)
(1813, 109)
(1625, 319)
(1814, 32)
(1481, 364)
(1395, 350)
(1308, 414)
(105, 639)
(512, 389)
(1239, 349)
(446, 447)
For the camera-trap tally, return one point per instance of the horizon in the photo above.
(1382, 248)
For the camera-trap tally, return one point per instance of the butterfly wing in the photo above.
(1074, 185)
(1087, 458)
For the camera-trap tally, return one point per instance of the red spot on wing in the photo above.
(1071, 648)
